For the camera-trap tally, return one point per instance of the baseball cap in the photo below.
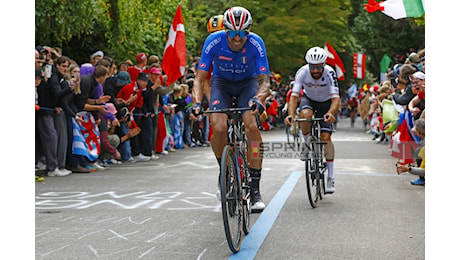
(143, 76)
(155, 70)
(418, 75)
(41, 49)
(141, 57)
(123, 78)
(97, 53)
(123, 112)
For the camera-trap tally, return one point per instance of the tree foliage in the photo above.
(123, 28)
(57, 21)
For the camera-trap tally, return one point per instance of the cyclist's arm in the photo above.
(198, 86)
(292, 105)
(264, 87)
(335, 104)
(207, 88)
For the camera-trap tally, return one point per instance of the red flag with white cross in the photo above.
(174, 56)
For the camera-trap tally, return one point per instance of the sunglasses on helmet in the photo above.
(233, 34)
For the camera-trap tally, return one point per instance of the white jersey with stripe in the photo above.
(321, 90)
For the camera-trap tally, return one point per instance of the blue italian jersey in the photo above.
(247, 63)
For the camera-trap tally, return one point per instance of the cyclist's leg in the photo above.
(245, 91)
(306, 111)
(220, 98)
(329, 151)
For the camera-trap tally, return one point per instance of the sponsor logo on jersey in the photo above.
(243, 50)
(244, 60)
(222, 57)
(263, 69)
(211, 45)
(202, 65)
(215, 102)
(258, 47)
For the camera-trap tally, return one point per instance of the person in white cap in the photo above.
(88, 68)
(417, 105)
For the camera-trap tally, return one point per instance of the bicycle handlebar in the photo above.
(228, 110)
(309, 119)
(231, 110)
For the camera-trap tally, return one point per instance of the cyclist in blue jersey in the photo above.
(239, 70)
(316, 86)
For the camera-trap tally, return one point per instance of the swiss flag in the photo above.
(334, 60)
(174, 56)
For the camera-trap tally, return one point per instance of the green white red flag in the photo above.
(397, 9)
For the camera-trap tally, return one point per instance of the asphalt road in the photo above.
(167, 209)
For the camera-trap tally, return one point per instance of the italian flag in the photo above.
(397, 9)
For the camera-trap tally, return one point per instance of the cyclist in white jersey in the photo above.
(316, 84)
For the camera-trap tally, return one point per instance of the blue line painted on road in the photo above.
(253, 241)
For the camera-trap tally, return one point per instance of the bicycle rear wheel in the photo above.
(312, 179)
(232, 210)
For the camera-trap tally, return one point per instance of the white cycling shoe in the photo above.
(330, 187)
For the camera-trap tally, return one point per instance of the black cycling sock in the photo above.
(255, 178)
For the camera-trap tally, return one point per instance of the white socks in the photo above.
(330, 169)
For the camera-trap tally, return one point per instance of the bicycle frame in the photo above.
(237, 148)
(315, 163)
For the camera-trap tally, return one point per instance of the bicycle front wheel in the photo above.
(289, 135)
(312, 179)
(232, 210)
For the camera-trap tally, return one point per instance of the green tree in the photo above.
(57, 21)
(379, 34)
(122, 28)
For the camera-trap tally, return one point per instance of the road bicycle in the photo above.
(235, 179)
(315, 163)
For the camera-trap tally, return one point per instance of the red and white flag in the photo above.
(334, 60)
(359, 65)
(174, 56)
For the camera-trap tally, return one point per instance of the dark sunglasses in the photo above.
(233, 34)
(316, 66)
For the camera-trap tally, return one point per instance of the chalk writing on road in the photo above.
(131, 200)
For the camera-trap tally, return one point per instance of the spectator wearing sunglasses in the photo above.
(240, 70)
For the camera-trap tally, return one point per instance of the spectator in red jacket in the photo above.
(141, 65)
(136, 88)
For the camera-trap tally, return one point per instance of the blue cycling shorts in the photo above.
(223, 91)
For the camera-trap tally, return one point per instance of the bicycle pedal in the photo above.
(322, 143)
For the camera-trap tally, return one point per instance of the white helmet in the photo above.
(237, 19)
(316, 55)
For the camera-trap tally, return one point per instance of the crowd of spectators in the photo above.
(101, 112)
(394, 110)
